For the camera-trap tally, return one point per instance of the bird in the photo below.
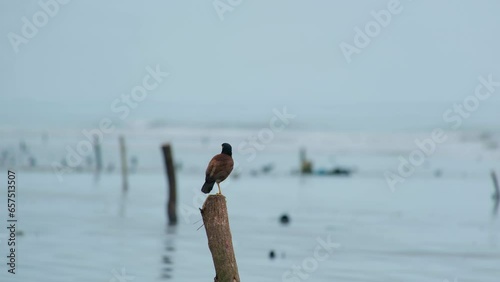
(218, 169)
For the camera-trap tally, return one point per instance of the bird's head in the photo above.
(226, 149)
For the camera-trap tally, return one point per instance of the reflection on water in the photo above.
(168, 253)
(415, 234)
(496, 202)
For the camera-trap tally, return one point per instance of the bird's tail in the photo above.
(207, 187)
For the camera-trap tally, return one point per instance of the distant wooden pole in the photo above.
(98, 154)
(220, 243)
(172, 193)
(305, 165)
(123, 156)
(496, 194)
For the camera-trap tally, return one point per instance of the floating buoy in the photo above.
(285, 219)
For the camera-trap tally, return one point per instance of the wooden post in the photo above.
(496, 194)
(123, 157)
(172, 193)
(305, 165)
(220, 243)
(98, 155)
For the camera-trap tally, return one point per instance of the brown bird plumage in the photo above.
(218, 169)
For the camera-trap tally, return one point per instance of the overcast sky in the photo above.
(263, 53)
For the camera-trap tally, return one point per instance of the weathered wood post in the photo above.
(496, 194)
(172, 193)
(123, 157)
(220, 243)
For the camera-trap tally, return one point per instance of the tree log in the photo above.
(220, 243)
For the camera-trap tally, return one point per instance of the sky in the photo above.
(241, 63)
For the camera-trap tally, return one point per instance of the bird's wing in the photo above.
(211, 168)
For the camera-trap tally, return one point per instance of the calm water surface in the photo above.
(429, 229)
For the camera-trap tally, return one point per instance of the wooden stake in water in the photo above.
(496, 194)
(172, 193)
(123, 157)
(220, 242)
(98, 154)
(305, 165)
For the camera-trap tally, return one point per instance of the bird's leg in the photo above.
(220, 192)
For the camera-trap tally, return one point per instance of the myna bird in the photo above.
(218, 169)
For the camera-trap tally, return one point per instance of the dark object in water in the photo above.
(306, 166)
(338, 171)
(267, 168)
(341, 171)
(285, 219)
(272, 255)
